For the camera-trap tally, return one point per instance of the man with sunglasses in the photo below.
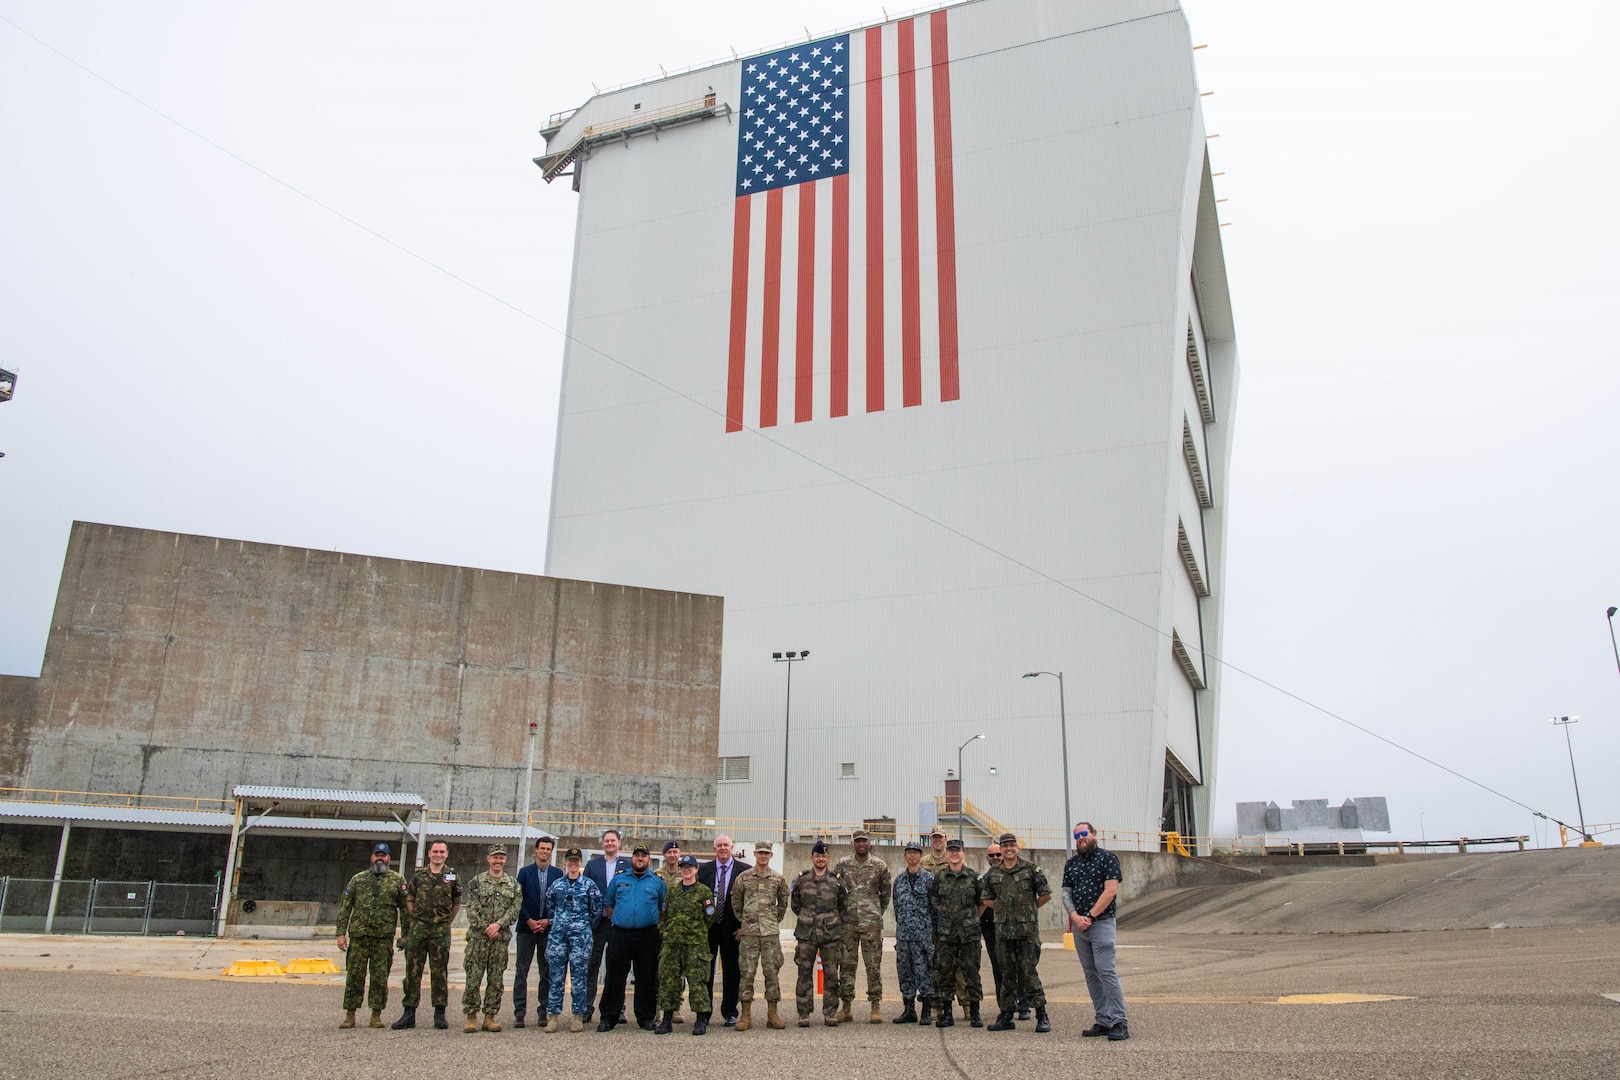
(1091, 880)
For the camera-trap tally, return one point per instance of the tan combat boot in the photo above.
(490, 1023)
(877, 1013)
(551, 1024)
(577, 1024)
(348, 1019)
(772, 1020)
(472, 1023)
(843, 1016)
(376, 1018)
(745, 1018)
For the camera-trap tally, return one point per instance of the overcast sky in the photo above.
(254, 328)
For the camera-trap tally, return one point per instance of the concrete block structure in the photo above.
(915, 344)
(1313, 821)
(184, 665)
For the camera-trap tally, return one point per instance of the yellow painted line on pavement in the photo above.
(1336, 999)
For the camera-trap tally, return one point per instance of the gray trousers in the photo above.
(1095, 948)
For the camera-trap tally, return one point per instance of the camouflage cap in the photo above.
(572, 853)
(937, 831)
(953, 845)
(914, 845)
(762, 845)
(860, 834)
(640, 849)
(1007, 838)
(496, 849)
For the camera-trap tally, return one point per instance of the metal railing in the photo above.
(110, 798)
(94, 906)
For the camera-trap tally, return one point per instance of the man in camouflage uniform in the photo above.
(934, 858)
(493, 900)
(1016, 890)
(373, 907)
(431, 902)
(575, 904)
(818, 897)
(684, 955)
(914, 935)
(867, 878)
(670, 871)
(759, 898)
(957, 900)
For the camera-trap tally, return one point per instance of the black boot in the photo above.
(927, 1017)
(667, 1024)
(1004, 1022)
(700, 1023)
(945, 1017)
(1023, 1009)
(438, 1018)
(1042, 1023)
(909, 1016)
(973, 1015)
(406, 1020)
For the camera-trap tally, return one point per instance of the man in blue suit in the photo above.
(533, 929)
(601, 869)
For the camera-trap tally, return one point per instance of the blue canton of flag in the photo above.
(795, 116)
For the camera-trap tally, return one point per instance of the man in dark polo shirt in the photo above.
(1091, 880)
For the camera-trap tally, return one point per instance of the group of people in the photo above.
(674, 925)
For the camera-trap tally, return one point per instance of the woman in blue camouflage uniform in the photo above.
(575, 904)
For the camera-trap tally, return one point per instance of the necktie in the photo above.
(721, 890)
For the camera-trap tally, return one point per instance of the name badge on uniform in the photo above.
(450, 877)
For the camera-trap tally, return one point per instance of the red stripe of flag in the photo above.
(874, 219)
(804, 337)
(910, 286)
(840, 295)
(770, 344)
(736, 361)
(944, 208)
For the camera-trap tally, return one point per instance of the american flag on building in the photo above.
(843, 285)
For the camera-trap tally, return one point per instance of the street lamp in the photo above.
(1612, 644)
(1063, 725)
(789, 658)
(961, 804)
(528, 786)
(1564, 722)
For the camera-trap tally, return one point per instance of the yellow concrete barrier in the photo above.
(248, 968)
(312, 965)
(1068, 943)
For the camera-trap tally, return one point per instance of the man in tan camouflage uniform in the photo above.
(493, 902)
(759, 898)
(819, 899)
(432, 900)
(934, 858)
(867, 878)
(373, 904)
(1016, 890)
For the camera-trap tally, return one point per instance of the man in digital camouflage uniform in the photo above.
(372, 910)
(684, 955)
(1016, 890)
(818, 897)
(958, 902)
(759, 899)
(867, 878)
(914, 935)
(575, 904)
(431, 902)
(493, 901)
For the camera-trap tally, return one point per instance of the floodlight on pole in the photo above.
(961, 801)
(1612, 644)
(1063, 727)
(1564, 722)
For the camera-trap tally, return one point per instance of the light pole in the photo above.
(1063, 725)
(528, 785)
(1564, 722)
(1612, 644)
(789, 659)
(961, 804)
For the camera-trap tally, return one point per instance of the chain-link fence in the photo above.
(106, 907)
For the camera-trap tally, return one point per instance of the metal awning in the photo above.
(50, 813)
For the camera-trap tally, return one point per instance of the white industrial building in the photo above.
(914, 343)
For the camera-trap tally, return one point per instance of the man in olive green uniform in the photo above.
(759, 898)
(431, 902)
(1016, 889)
(867, 878)
(670, 871)
(493, 901)
(684, 955)
(818, 897)
(372, 909)
(958, 902)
